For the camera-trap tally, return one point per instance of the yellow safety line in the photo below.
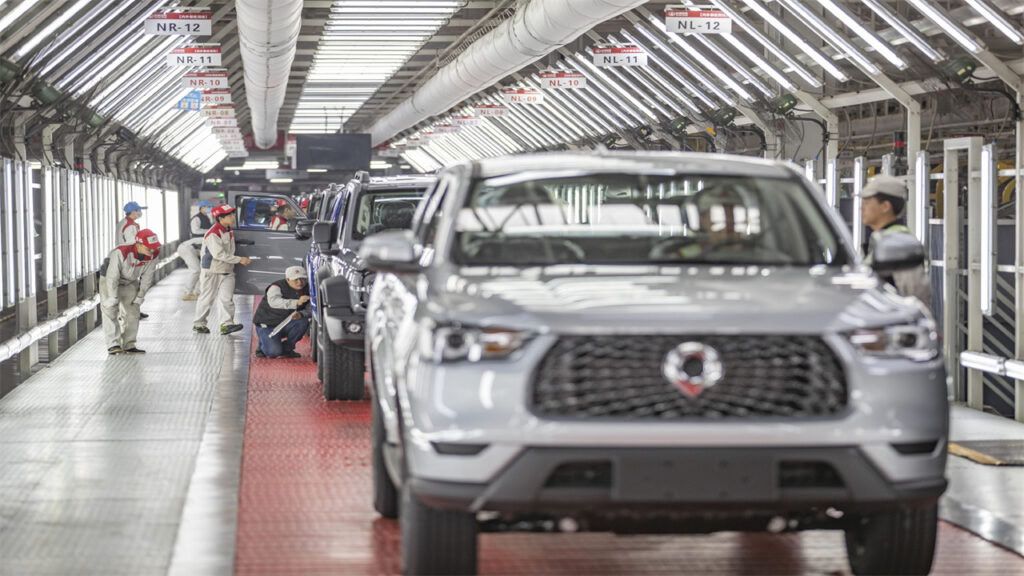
(974, 455)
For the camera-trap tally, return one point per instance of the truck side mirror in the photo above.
(304, 229)
(892, 251)
(323, 236)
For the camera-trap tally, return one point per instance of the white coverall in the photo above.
(126, 231)
(124, 286)
(218, 279)
(189, 252)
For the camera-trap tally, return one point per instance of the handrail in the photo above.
(20, 342)
(992, 364)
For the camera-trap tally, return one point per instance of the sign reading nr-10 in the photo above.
(179, 23)
(206, 80)
(562, 79)
(615, 56)
(195, 55)
(696, 20)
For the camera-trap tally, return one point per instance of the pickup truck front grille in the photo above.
(620, 377)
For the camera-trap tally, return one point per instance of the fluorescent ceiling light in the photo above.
(281, 180)
(316, 170)
(795, 38)
(54, 25)
(841, 44)
(905, 29)
(997, 19)
(954, 30)
(873, 40)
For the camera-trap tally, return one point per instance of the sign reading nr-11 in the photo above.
(179, 23)
(195, 55)
(694, 20)
(559, 79)
(614, 56)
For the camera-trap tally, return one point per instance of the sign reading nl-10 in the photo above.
(562, 79)
(195, 23)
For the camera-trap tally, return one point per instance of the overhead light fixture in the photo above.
(905, 29)
(872, 39)
(316, 170)
(954, 30)
(997, 19)
(281, 180)
(724, 117)
(842, 45)
(758, 7)
(962, 68)
(783, 104)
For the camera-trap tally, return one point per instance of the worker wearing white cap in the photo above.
(883, 202)
(127, 275)
(284, 300)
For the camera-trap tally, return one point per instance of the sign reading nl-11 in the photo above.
(195, 55)
(206, 80)
(696, 20)
(195, 23)
(623, 55)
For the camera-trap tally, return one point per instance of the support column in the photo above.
(52, 311)
(913, 147)
(1018, 410)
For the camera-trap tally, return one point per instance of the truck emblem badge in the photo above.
(692, 368)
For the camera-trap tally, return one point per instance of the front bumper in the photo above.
(609, 488)
(338, 324)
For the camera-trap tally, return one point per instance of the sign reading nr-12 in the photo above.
(562, 79)
(195, 55)
(614, 56)
(696, 20)
(179, 23)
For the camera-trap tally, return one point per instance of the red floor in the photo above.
(305, 508)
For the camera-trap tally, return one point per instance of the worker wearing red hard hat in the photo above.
(284, 212)
(218, 278)
(127, 275)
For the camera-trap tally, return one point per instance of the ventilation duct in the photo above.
(268, 31)
(534, 31)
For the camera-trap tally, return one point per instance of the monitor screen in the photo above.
(332, 151)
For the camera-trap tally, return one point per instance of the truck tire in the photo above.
(385, 496)
(898, 542)
(436, 541)
(343, 372)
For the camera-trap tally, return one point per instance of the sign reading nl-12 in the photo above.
(195, 55)
(179, 23)
(696, 20)
(614, 56)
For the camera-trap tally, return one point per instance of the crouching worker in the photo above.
(282, 318)
(127, 275)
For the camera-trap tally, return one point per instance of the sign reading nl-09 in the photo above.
(696, 20)
(205, 80)
(179, 23)
(522, 96)
(614, 56)
(195, 55)
(560, 79)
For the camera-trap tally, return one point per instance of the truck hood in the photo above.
(662, 299)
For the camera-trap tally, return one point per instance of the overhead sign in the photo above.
(189, 102)
(179, 23)
(466, 121)
(293, 174)
(696, 20)
(445, 129)
(413, 142)
(490, 109)
(522, 96)
(428, 136)
(222, 122)
(562, 79)
(228, 131)
(616, 56)
(216, 97)
(218, 111)
(389, 153)
(206, 80)
(237, 153)
(195, 55)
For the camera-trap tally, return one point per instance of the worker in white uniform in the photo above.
(189, 249)
(284, 213)
(127, 228)
(127, 275)
(218, 277)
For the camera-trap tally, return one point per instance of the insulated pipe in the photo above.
(534, 31)
(268, 32)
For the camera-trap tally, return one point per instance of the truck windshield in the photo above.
(385, 210)
(638, 219)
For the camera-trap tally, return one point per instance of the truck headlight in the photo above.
(472, 344)
(918, 341)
